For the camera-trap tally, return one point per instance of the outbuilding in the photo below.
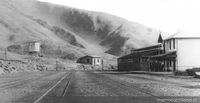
(91, 60)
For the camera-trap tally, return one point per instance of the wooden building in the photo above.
(139, 58)
(91, 60)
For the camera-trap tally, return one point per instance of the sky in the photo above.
(168, 16)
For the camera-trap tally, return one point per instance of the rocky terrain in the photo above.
(8, 66)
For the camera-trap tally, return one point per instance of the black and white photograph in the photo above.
(99, 51)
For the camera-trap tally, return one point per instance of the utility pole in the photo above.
(102, 64)
(58, 53)
(56, 64)
(5, 53)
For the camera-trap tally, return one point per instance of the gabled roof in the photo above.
(92, 56)
(160, 39)
(185, 35)
(95, 56)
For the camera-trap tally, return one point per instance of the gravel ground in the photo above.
(88, 84)
(83, 85)
(159, 85)
(114, 87)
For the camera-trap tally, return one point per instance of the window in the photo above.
(130, 60)
(174, 43)
(119, 60)
(98, 60)
(170, 44)
(88, 60)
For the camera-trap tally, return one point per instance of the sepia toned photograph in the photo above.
(99, 51)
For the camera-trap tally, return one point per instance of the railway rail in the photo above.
(67, 77)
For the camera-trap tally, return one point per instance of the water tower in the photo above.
(34, 47)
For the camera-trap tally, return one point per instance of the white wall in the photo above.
(97, 61)
(188, 53)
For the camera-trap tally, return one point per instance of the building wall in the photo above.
(96, 61)
(144, 66)
(128, 64)
(188, 54)
(170, 45)
(90, 60)
(86, 60)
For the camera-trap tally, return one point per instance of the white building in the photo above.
(183, 51)
(92, 60)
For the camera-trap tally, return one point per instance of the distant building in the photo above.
(176, 53)
(33, 47)
(92, 60)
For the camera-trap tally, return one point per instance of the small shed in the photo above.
(90, 59)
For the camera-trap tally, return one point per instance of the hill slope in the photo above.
(78, 31)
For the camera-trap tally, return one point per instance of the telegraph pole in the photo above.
(5, 53)
(57, 59)
(57, 64)
(102, 64)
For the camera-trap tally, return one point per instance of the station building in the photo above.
(178, 52)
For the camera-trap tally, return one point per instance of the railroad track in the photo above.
(124, 84)
(66, 88)
(69, 77)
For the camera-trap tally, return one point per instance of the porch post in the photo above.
(174, 64)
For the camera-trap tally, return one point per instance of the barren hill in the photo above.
(77, 32)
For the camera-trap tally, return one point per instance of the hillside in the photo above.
(77, 32)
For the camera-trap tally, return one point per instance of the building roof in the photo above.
(148, 48)
(140, 54)
(34, 41)
(184, 35)
(93, 56)
(165, 55)
(160, 39)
